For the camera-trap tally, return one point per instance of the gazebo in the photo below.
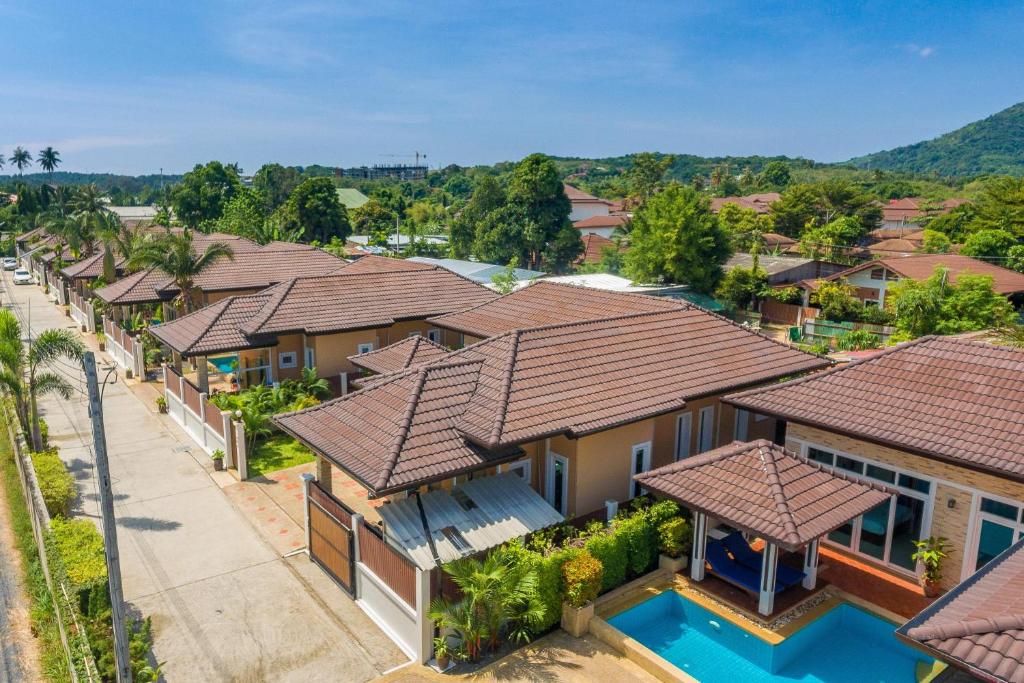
(766, 491)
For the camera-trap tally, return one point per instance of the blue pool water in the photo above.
(223, 363)
(844, 645)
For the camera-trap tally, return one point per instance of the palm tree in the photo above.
(109, 230)
(24, 369)
(176, 255)
(49, 160)
(316, 387)
(21, 158)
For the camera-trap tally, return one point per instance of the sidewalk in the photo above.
(225, 604)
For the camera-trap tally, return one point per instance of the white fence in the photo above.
(126, 350)
(208, 426)
(82, 312)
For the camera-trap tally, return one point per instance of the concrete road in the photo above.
(225, 606)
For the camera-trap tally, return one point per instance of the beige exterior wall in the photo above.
(331, 351)
(962, 486)
(286, 344)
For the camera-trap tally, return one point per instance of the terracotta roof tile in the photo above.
(549, 303)
(415, 350)
(325, 304)
(594, 246)
(979, 625)
(381, 264)
(575, 378)
(766, 490)
(214, 328)
(577, 195)
(952, 399)
(921, 267)
(612, 221)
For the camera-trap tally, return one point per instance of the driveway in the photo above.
(225, 605)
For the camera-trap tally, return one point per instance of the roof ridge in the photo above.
(224, 303)
(771, 472)
(610, 318)
(506, 392)
(415, 347)
(252, 325)
(832, 370)
(967, 627)
(403, 430)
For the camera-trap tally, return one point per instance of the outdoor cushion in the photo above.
(729, 569)
(738, 547)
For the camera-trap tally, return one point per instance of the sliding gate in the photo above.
(331, 542)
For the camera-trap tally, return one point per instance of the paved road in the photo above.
(225, 605)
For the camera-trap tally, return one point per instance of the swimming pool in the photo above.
(844, 645)
(223, 363)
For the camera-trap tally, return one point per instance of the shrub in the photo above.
(76, 544)
(674, 537)
(583, 579)
(613, 553)
(55, 482)
(858, 340)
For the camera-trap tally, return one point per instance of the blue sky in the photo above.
(135, 86)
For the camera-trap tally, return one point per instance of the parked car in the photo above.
(10, 263)
(22, 277)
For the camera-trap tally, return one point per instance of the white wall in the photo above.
(603, 232)
(581, 210)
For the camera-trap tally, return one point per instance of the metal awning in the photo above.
(474, 516)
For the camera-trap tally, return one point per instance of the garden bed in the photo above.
(277, 453)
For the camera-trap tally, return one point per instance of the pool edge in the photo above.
(638, 653)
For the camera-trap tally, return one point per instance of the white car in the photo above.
(10, 263)
(22, 277)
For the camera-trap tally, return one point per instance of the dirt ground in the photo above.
(18, 647)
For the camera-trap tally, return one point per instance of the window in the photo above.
(415, 333)
(878, 273)
(364, 348)
(849, 464)
(1000, 525)
(434, 335)
(287, 359)
(818, 455)
(520, 468)
(742, 420)
(706, 430)
(641, 462)
(684, 435)
(310, 358)
(558, 482)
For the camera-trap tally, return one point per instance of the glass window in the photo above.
(849, 464)
(843, 535)
(906, 529)
(882, 474)
(993, 539)
(915, 484)
(994, 507)
(558, 484)
(877, 273)
(818, 455)
(874, 529)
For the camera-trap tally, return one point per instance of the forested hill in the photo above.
(992, 145)
(104, 181)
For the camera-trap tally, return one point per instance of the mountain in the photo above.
(992, 145)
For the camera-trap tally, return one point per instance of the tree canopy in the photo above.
(937, 306)
(315, 208)
(200, 197)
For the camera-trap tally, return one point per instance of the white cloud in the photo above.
(922, 51)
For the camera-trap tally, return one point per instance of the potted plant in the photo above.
(582, 574)
(161, 404)
(674, 539)
(930, 553)
(442, 652)
(218, 459)
(102, 339)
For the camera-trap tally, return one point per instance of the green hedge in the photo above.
(55, 482)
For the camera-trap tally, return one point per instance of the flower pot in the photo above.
(218, 464)
(673, 565)
(443, 661)
(930, 588)
(163, 408)
(103, 347)
(576, 620)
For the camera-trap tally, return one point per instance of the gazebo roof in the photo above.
(763, 489)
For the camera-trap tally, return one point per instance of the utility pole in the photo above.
(121, 656)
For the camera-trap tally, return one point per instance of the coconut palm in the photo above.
(21, 158)
(49, 160)
(25, 370)
(176, 254)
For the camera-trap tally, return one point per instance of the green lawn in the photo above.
(277, 453)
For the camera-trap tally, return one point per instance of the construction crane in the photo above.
(416, 155)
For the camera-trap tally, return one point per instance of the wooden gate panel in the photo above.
(331, 546)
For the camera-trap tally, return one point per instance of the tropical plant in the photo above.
(316, 387)
(21, 158)
(25, 370)
(674, 537)
(858, 340)
(499, 600)
(582, 574)
(177, 255)
(930, 553)
(1011, 335)
(49, 160)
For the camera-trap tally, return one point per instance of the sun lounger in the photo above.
(740, 550)
(726, 568)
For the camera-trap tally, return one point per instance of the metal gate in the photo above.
(331, 542)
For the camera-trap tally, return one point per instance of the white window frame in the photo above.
(549, 484)
(288, 359)
(414, 333)
(704, 445)
(310, 357)
(435, 335)
(974, 526)
(525, 466)
(632, 491)
(365, 347)
(742, 426)
(684, 434)
(928, 500)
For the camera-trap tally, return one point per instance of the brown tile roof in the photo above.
(979, 625)
(402, 432)
(921, 267)
(894, 246)
(215, 328)
(901, 232)
(763, 489)
(415, 350)
(31, 234)
(142, 287)
(761, 203)
(772, 240)
(577, 195)
(594, 246)
(381, 264)
(89, 267)
(325, 304)
(548, 303)
(612, 221)
(574, 379)
(952, 399)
